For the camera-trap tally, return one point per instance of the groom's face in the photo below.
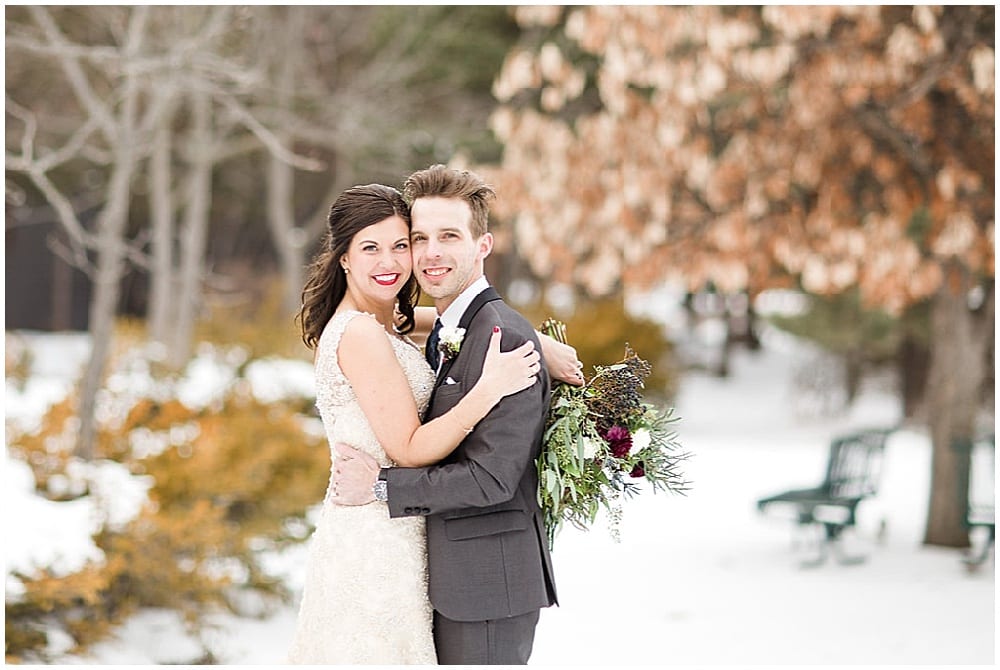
(447, 258)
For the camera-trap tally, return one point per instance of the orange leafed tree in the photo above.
(754, 146)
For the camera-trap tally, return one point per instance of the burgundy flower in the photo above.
(620, 441)
(638, 470)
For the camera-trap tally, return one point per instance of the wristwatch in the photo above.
(380, 489)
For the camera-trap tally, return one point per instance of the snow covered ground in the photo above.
(701, 579)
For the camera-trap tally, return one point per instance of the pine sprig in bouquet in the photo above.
(599, 438)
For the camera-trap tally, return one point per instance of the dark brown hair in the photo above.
(357, 208)
(442, 181)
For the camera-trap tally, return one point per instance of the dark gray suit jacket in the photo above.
(487, 553)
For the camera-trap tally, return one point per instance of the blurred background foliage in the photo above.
(256, 318)
(861, 338)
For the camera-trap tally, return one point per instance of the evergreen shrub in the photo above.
(228, 481)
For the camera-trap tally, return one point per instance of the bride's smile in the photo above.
(386, 279)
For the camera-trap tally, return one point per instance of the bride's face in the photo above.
(379, 262)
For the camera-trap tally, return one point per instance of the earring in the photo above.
(347, 270)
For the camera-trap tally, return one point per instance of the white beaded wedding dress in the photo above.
(365, 595)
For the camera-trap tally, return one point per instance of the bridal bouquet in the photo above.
(600, 439)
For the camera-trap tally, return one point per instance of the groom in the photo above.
(489, 565)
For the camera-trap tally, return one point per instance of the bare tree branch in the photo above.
(267, 137)
(52, 159)
(71, 256)
(98, 55)
(873, 120)
(936, 70)
(77, 79)
(67, 216)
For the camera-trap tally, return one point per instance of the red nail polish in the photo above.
(496, 329)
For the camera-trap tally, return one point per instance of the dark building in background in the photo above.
(43, 292)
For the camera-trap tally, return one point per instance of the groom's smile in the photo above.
(436, 273)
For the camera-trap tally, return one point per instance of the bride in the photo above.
(365, 597)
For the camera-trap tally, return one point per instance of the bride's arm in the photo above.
(370, 365)
(560, 359)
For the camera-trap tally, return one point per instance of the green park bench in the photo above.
(980, 502)
(853, 468)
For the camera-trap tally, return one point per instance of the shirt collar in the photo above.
(455, 310)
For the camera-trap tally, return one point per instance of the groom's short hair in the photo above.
(441, 181)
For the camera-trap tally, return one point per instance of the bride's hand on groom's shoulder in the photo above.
(508, 372)
(354, 473)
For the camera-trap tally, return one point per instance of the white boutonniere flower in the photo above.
(450, 341)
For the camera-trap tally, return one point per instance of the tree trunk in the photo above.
(111, 246)
(854, 369)
(913, 363)
(162, 307)
(194, 231)
(953, 395)
(752, 339)
(722, 368)
(289, 239)
(106, 290)
(342, 176)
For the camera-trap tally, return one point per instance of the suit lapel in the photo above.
(487, 295)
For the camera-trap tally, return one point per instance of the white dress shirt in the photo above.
(457, 308)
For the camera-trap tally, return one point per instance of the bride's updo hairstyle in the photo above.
(357, 208)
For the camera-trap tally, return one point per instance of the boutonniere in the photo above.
(450, 341)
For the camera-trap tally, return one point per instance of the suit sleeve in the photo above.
(487, 467)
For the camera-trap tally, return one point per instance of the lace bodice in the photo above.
(342, 416)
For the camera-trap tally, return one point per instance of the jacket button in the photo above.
(425, 511)
(408, 510)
